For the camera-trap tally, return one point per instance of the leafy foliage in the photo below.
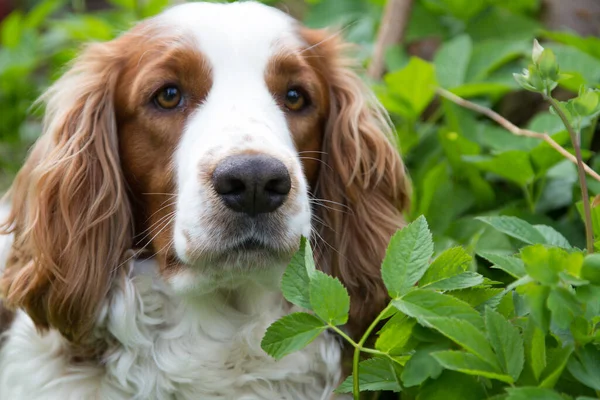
(532, 339)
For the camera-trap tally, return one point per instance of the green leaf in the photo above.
(452, 386)
(536, 297)
(291, 333)
(38, 14)
(553, 237)
(564, 307)
(511, 265)
(506, 342)
(295, 283)
(585, 366)
(461, 281)
(421, 367)
(532, 393)
(479, 297)
(373, 374)
(587, 102)
(413, 87)
(543, 264)
(558, 361)
(425, 304)
(451, 262)
(407, 257)
(465, 335)
(329, 298)
(513, 165)
(516, 228)
(469, 364)
(535, 349)
(11, 29)
(451, 61)
(499, 23)
(395, 334)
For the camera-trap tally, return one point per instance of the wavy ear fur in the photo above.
(364, 175)
(70, 215)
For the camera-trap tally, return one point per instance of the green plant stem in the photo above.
(357, 350)
(589, 234)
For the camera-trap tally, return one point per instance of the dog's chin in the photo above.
(232, 265)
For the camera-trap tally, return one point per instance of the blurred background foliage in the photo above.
(461, 165)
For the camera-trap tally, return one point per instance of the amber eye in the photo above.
(295, 100)
(168, 97)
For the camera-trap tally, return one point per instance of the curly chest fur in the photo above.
(162, 347)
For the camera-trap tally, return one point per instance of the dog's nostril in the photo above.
(279, 186)
(231, 186)
(252, 184)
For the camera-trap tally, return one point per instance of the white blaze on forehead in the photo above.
(237, 35)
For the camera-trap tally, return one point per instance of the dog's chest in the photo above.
(160, 348)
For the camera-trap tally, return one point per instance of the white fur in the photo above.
(161, 346)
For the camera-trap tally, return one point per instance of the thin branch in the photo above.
(515, 130)
(393, 24)
(589, 233)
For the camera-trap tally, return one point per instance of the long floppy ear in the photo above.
(364, 175)
(70, 214)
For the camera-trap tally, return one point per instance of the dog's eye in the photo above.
(168, 97)
(295, 100)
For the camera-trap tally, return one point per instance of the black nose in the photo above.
(252, 183)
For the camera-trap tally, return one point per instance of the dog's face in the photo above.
(223, 115)
(214, 136)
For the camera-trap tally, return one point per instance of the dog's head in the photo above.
(214, 136)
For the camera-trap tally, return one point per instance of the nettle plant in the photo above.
(449, 332)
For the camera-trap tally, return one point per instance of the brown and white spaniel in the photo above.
(179, 166)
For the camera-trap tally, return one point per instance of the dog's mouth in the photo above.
(250, 244)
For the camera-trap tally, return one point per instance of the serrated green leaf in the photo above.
(553, 237)
(461, 281)
(532, 393)
(291, 333)
(395, 334)
(407, 257)
(424, 304)
(421, 367)
(511, 265)
(585, 366)
(465, 335)
(329, 298)
(295, 282)
(373, 374)
(451, 262)
(506, 342)
(516, 228)
(469, 364)
(558, 361)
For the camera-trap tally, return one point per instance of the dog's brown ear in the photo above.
(365, 177)
(70, 216)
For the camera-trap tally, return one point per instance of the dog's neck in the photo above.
(160, 345)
